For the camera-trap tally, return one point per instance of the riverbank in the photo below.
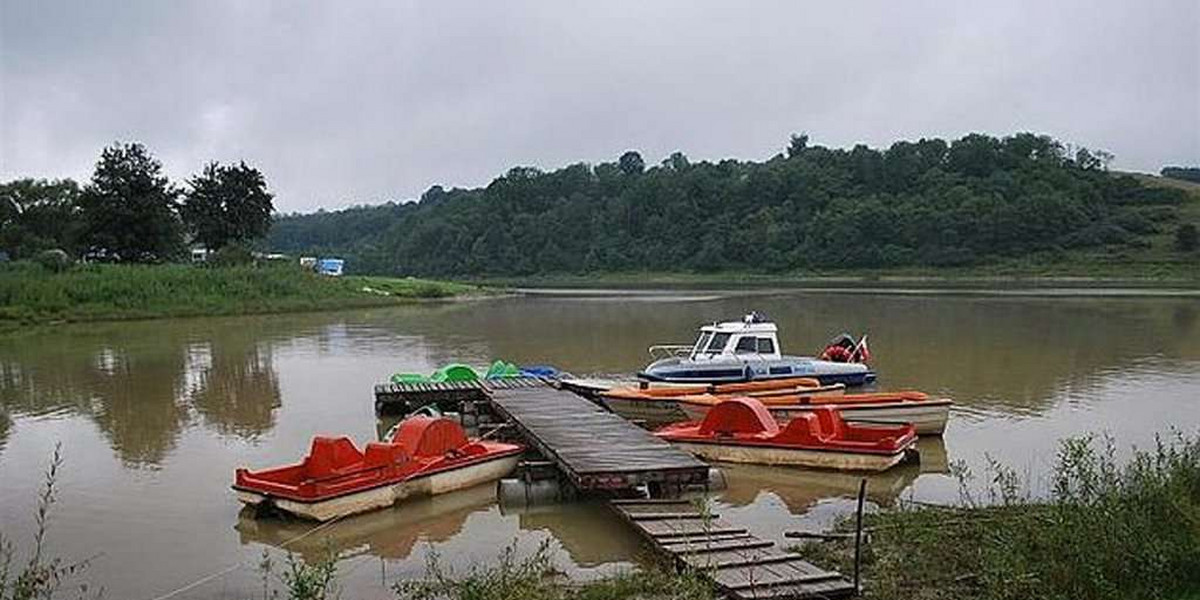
(1103, 530)
(31, 296)
(1183, 273)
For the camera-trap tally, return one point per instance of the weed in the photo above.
(1105, 531)
(41, 576)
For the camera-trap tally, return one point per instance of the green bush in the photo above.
(233, 255)
(55, 260)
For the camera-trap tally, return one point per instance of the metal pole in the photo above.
(862, 495)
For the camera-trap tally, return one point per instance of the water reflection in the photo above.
(391, 533)
(195, 398)
(142, 384)
(590, 532)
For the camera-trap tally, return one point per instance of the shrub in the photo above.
(55, 260)
(1186, 238)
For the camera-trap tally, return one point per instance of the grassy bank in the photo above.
(1104, 531)
(31, 295)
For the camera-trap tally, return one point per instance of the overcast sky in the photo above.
(360, 102)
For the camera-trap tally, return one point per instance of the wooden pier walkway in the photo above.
(741, 565)
(595, 449)
(447, 395)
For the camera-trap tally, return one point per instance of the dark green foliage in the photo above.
(1184, 173)
(631, 163)
(37, 215)
(300, 580)
(1186, 238)
(1106, 531)
(227, 204)
(926, 203)
(129, 208)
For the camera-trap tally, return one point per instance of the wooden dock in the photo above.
(595, 449)
(741, 565)
(447, 395)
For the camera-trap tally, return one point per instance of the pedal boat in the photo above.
(741, 430)
(659, 404)
(425, 456)
(748, 350)
(928, 415)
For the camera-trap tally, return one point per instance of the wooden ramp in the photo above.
(741, 565)
(447, 395)
(593, 448)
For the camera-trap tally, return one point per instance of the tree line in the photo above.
(1184, 173)
(130, 212)
(930, 202)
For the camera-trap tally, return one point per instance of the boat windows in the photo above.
(701, 343)
(766, 346)
(718, 343)
(746, 345)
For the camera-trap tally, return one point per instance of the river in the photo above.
(154, 416)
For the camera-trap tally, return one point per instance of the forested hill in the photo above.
(971, 201)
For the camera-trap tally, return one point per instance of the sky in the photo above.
(356, 102)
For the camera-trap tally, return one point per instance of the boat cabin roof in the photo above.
(740, 327)
(750, 336)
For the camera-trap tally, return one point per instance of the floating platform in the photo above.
(593, 448)
(446, 395)
(741, 565)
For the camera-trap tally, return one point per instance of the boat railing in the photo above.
(661, 351)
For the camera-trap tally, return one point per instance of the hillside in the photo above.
(929, 204)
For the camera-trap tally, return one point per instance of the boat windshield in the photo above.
(717, 344)
(702, 342)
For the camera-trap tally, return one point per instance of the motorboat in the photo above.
(928, 414)
(741, 430)
(749, 350)
(422, 456)
(658, 404)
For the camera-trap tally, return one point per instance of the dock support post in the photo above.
(862, 495)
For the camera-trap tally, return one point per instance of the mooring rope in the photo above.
(227, 570)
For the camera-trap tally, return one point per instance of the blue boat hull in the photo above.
(828, 373)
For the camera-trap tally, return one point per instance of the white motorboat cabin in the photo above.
(750, 336)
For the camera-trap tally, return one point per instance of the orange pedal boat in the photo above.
(929, 415)
(660, 403)
(425, 456)
(742, 430)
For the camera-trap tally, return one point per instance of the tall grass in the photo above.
(1105, 531)
(30, 294)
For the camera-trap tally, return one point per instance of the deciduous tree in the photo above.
(227, 204)
(129, 208)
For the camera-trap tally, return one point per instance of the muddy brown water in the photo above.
(154, 416)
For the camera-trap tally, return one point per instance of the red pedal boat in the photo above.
(425, 456)
(742, 430)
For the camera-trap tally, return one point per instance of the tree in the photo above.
(129, 208)
(1186, 238)
(227, 204)
(797, 145)
(37, 215)
(631, 163)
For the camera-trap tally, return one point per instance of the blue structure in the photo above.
(331, 266)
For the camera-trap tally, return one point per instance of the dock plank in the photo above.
(586, 441)
(741, 565)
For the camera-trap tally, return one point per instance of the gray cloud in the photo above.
(361, 102)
